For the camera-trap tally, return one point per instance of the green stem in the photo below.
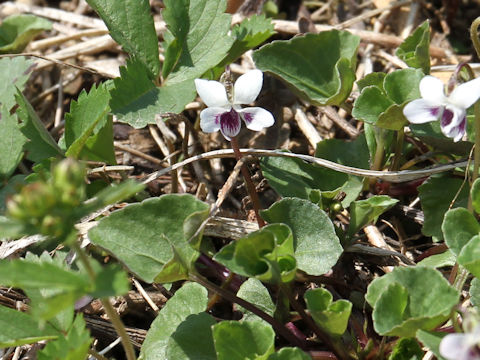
(379, 153)
(398, 149)
(249, 183)
(109, 310)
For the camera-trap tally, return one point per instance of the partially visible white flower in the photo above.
(464, 346)
(450, 110)
(223, 114)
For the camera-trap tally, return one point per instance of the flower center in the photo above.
(229, 120)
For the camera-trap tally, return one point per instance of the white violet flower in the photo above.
(450, 110)
(461, 346)
(224, 114)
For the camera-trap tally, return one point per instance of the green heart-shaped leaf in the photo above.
(331, 316)
(408, 299)
(318, 67)
(147, 236)
(317, 247)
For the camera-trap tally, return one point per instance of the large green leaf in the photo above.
(149, 235)
(16, 31)
(365, 211)
(415, 49)
(266, 254)
(73, 346)
(436, 195)
(14, 74)
(317, 247)
(318, 67)
(330, 315)
(190, 299)
(136, 100)
(458, 227)
(131, 25)
(408, 299)
(88, 128)
(19, 328)
(41, 145)
(198, 30)
(11, 144)
(243, 340)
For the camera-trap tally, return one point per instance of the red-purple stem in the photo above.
(249, 183)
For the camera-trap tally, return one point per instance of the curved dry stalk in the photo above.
(391, 176)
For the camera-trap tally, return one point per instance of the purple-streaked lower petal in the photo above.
(247, 87)
(210, 118)
(453, 122)
(230, 124)
(421, 111)
(212, 93)
(432, 90)
(256, 118)
(466, 94)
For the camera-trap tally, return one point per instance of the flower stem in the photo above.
(109, 310)
(249, 183)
